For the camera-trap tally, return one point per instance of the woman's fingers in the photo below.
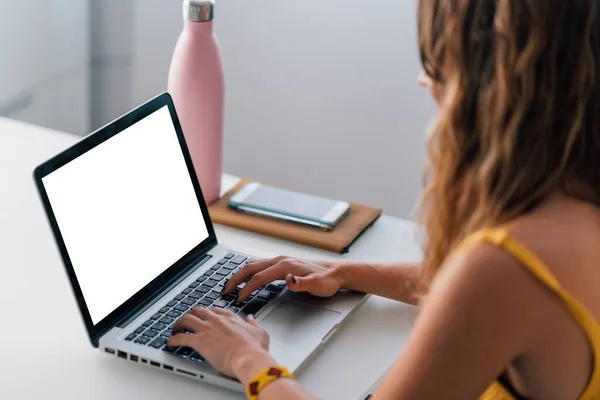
(203, 314)
(181, 340)
(248, 271)
(189, 322)
(275, 273)
(250, 319)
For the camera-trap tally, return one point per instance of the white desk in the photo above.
(45, 352)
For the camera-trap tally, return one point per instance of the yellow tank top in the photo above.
(500, 238)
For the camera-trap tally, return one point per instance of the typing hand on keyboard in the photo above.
(205, 292)
(318, 279)
(224, 340)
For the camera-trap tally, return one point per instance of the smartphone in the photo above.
(286, 205)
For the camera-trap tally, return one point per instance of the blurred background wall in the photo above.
(320, 98)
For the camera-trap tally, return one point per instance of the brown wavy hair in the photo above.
(520, 114)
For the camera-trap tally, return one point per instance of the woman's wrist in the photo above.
(342, 273)
(251, 363)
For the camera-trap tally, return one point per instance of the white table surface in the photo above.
(45, 353)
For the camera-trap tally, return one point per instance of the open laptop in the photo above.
(139, 248)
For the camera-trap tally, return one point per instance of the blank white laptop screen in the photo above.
(127, 211)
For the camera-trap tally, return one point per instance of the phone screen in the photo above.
(289, 203)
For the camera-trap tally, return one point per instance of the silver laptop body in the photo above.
(127, 310)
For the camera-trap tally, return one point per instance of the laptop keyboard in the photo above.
(204, 292)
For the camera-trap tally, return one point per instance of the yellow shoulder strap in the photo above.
(538, 268)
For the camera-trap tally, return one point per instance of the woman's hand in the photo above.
(235, 347)
(318, 279)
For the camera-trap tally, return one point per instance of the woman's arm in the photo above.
(394, 281)
(480, 315)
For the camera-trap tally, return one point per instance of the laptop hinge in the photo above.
(144, 305)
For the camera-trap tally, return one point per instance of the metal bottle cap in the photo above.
(198, 10)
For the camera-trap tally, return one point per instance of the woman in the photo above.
(508, 284)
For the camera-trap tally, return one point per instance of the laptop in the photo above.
(140, 250)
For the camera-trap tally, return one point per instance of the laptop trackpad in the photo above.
(299, 324)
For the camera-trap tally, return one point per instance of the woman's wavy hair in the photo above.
(520, 115)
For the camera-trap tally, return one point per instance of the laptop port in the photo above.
(133, 358)
(144, 361)
(110, 351)
(122, 354)
(154, 364)
(168, 367)
(186, 372)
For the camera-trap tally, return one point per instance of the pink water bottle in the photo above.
(197, 85)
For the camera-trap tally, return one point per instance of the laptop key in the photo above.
(223, 261)
(237, 259)
(184, 351)
(167, 333)
(254, 306)
(158, 342)
(166, 320)
(205, 302)
(148, 323)
(195, 295)
(265, 294)
(131, 337)
(180, 308)
(230, 255)
(163, 310)
(179, 297)
(220, 303)
(171, 315)
(229, 267)
(208, 273)
(168, 349)
(212, 295)
(211, 283)
(156, 316)
(202, 278)
(139, 330)
(195, 356)
(186, 290)
(172, 303)
(142, 340)
(151, 333)
(215, 267)
(232, 309)
(159, 326)
(203, 289)
(229, 297)
(274, 288)
(219, 276)
(188, 301)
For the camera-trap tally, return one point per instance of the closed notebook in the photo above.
(338, 240)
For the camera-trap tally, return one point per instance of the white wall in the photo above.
(321, 96)
(44, 61)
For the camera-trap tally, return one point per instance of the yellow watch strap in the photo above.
(265, 377)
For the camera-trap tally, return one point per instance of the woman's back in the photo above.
(565, 235)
